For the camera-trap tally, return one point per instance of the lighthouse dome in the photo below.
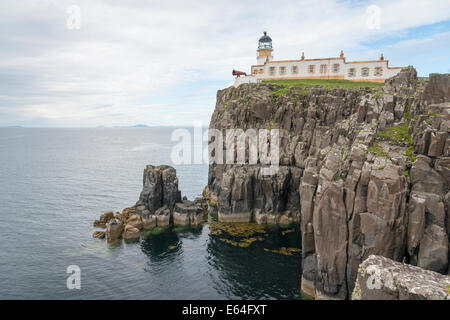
(265, 42)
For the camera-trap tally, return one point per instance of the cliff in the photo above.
(363, 170)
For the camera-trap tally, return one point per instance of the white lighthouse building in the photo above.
(267, 68)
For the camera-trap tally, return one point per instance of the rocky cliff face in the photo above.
(364, 171)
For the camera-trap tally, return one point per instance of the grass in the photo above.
(284, 90)
(378, 151)
(396, 135)
(302, 85)
(306, 83)
(410, 153)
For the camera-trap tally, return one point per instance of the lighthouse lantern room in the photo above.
(264, 52)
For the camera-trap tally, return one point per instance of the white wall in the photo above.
(244, 79)
(303, 69)
(386, 72)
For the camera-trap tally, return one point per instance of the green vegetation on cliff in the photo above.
(378, 151)
(305, 83)
(303, 86)
(398, 135)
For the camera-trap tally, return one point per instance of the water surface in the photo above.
(55, 182)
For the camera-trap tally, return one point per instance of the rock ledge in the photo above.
(380, 278)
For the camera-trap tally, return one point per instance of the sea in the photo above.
(55, 182)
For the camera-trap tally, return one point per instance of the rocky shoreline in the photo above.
(363, 171)
(159, 205)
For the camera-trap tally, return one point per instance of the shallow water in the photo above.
(56, 182)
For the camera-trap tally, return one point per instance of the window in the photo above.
(311, 68)
(378, 71)
(272, 71)
(336, 67)
(282, 70)
(323, 68)
(294, 69)
(365, 72)
(351, 72)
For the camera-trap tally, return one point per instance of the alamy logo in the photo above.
(74, 280)
(373, 13)
(376, 279)
(252, 146)
(74, 18)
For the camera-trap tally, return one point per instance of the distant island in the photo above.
(135, 126)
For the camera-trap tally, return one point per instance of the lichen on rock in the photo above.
(380, 278)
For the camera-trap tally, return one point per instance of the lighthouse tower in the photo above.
(264, 52)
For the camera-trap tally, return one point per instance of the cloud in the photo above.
(161, 63)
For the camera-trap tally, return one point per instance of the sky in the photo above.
(160, 63)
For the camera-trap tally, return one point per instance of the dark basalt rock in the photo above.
(187, 213)
(160, 201)
(160, 187)
(437, 90)
(155, 207)
(163, 216)
(364, 171)
(404, 82)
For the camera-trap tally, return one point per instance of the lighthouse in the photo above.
(332, 68)
(264, 52)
